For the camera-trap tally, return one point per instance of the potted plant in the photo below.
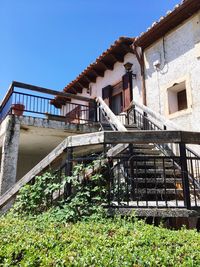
(18, 109)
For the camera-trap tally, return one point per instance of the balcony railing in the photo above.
(37, 103)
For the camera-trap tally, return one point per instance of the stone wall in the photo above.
(179, 61)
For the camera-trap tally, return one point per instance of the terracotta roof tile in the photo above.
(158, 28)
(172, 19)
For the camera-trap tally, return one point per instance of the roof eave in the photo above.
(172, 20)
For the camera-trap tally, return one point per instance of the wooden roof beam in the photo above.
(91, 79)
(99, 73)
(93, 72)
(80, 84)
(127, 49)
(118, 57)
(84, 82)
(102, 66)
(78, 88)
(72, 90)
(107, 65)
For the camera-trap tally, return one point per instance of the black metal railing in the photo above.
(154, 181)
(140, 181)
(37, 104)
(83, 175)
(141, 120)
(104, 120)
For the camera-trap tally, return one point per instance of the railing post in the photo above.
(95, 112)
(184, 174)
(132, 172)
(144, 121)
(68, 171)
(134, 114)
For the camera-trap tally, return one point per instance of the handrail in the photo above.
(42, 101)
(147, 123)
(111, 116)
(49, 91)
(113, 120)
(7, 96)
(166, 123)
(155, 115)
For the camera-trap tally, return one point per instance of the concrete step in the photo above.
(146, 151)
(129, 126)
(139, 180)
(145, 146)
(151, 164)
(158, 191)
(161, 172)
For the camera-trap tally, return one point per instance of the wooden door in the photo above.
(127, 90)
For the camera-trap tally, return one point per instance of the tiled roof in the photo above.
(115, 53)
(122, 46)
(172, 19)
(108, 58)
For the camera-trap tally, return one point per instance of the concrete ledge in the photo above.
(155, 212)
(53, 124)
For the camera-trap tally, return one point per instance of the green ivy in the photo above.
(88, 195)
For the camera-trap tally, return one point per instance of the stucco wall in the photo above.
(179, 55)
(112, 77)
(179, 62)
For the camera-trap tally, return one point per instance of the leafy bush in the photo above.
(86, 198)
(105, 242)
(75, 232)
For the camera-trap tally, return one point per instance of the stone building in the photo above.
(165, 69)
(157, 73)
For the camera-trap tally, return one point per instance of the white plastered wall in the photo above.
(180, 62)
(111, 77)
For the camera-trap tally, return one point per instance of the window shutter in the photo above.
(106, 94)
(182, 100)
(126, 91)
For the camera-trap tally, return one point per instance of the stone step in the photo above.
(157, 180)
(127, 126)
(145, 146)
(151, 164)
(158, 191)
(166, 172)
(147, 151)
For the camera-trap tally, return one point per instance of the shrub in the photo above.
(86, 198)
(106, 242)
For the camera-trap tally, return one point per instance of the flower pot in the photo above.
(18, 109)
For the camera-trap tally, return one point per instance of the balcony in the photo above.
(28, 100)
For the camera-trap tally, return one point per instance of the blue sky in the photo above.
(49, 42)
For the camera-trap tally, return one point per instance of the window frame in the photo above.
(187, 87)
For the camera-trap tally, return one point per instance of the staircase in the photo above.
(146, 174)
(145, 177)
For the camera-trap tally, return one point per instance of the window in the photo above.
(182, 100)
(116, 105)
(177, 97)
(117, 98)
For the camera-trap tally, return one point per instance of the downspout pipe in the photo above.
(140, 57)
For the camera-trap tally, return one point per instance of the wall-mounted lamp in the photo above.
(128, 67)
